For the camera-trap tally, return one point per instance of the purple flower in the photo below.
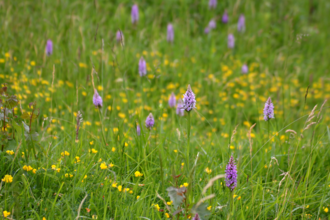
(212, 24)
(172, 100)
(268, 110)
(212, 3)
(97, 99)
(241, 23)
(225, 17)
(135, 13)
(150, 121)
(206, 30)
(179, 108)
(245, 69)
(231, 174)
(189, 101)
(119, 36)
(138, 130)
(196, 217)
(49, 47)
(142, 67)
(170, 33)
(231, 41)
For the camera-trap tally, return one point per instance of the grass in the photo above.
(57, 172)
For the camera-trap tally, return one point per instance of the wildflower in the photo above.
(209, 207)
(138, 130)
(120, 187)
(94, 151)
(170, 33)
(268, 110)
(97, 99)
(113, 149)
(167, 215)
(180, 108)
(137, 197)
(241, 23)
(245, 69)
(138, 174)
(208, 170)
(27, 168)
(225, 17)
(111, 165)
(49, 47)
(119, 36)
(326, 210)
(172, 100)
(169, 203)
(231, 41)
(212, 24)
(10, 152)
(156, 206)
(212, 3)
(65, 153)
(206, 30)
(231, 174)
(142, 67)
(7, 179)
(5, 214)
(196, 217)
(150, 121)
(135, 14)
(103, 166)
(189, 101)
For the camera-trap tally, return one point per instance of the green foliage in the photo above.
(68, 159)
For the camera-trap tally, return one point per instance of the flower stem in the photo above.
(188, 135)
(99, 110)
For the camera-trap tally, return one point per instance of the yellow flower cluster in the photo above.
(7, 179)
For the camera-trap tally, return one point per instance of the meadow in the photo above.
(249, 140)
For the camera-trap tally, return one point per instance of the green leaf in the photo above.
(176, 195)
(202, 211)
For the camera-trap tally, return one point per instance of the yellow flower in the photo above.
(138, 174)
(53, 167)
(27, 168)
(169, 203)
(120, 187)
(103, 166)
(137, 197)
(114, 185)
(43, 218)
(121, 115)
(167, 215)
(111, 165)
(7, 179)
(208, 170)
(232, 147)
(209, 208)
(175, 151)
(94, 151)
(10, 152)
(113, 149)
(156, 206)
(34, 171)
(65, 153)
(91, 143)
(6, 214)
(326, 210)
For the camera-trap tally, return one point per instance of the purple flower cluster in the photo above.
(231, 41)
(119, 36)
(150, 121)
(189, 101)
(142, 67)
(97, 99)
(135, 14)
(170, 33)
(268, 110)
(225, 17)
(138, 130)
(172, 100)
(49, 47)
(241, 23)
(212, 3)
(245, 69)
(180, 108)
(231, 174)
(196, 217)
